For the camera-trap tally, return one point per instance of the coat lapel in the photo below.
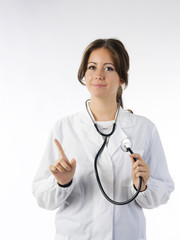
(91, 140)
(124, 121)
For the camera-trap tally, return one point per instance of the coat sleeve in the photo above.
(160, 184)
(47, 192)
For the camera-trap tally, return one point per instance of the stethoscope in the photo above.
(125, 146)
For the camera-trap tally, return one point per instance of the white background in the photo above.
(41, 45)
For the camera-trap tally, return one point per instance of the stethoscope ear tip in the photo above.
(126, 144)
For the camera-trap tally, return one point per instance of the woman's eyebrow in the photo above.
(108, 63)
(103, 64)
(92, 62)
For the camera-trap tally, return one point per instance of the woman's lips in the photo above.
(98, 85)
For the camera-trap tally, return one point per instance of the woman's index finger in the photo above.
(60, 149)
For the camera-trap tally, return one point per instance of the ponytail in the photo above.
(119, 99)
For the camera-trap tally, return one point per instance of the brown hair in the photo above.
(119, 55)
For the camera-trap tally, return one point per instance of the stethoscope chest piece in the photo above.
(126, 144)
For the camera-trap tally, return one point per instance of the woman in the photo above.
(66, 180)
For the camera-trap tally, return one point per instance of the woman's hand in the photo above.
(139, 169)
(63, 170)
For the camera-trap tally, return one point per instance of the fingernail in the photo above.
(53, 168)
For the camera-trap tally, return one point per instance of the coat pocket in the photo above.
(60, 237)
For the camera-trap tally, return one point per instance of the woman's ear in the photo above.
(121, 81)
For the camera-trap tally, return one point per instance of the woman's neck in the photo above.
(103, 110)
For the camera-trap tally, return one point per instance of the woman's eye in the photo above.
(109, 69)
(91, 67)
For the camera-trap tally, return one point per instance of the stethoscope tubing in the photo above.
(105, 135)
(96, 169)
(99, 181)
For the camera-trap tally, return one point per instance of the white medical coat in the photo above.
(83, 212)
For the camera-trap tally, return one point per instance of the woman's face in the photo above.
(101, 78)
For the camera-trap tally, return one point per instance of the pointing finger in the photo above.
(60, 149)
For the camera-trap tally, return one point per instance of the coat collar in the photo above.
(124, 119)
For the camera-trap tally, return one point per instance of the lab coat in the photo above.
(82, 211)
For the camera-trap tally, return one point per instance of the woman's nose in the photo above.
(99, 75)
